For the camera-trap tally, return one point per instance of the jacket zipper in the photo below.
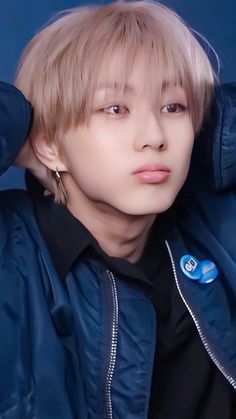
(202, 336)
(113, 348)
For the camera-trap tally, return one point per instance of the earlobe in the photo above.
(48, 153)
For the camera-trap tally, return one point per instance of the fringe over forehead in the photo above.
(61, 66)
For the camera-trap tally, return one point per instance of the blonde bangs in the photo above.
(64, 63)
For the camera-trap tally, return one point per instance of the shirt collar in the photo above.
(67, 238)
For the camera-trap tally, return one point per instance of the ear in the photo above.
(48, 153)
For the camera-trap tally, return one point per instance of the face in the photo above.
(134, 155)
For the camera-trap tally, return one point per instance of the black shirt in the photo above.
(186, 384)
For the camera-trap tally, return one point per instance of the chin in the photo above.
(150, 208)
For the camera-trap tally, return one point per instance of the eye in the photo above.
(116, 109)
(173, 108)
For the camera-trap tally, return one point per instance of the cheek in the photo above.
(90, 168)
(186, 156)
(185, 141)
(182, 151)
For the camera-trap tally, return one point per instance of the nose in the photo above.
(150, 134)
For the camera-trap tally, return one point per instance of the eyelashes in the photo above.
(118, 109)
(173, 108)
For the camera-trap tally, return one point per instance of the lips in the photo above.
(152, 168)
(152, 173)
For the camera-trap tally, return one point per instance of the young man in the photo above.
(111, 301)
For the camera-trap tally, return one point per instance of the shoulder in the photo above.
(15, 204)
(209, 216)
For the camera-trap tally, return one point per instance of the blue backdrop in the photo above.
(20, 19)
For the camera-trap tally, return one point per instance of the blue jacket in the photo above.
(86, 350)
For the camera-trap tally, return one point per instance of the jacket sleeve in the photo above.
(16, 397)
(15, 119)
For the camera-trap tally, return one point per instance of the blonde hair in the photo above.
(60, 67)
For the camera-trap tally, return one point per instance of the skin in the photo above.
(127, 130)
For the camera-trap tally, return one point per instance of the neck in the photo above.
(119, 235)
